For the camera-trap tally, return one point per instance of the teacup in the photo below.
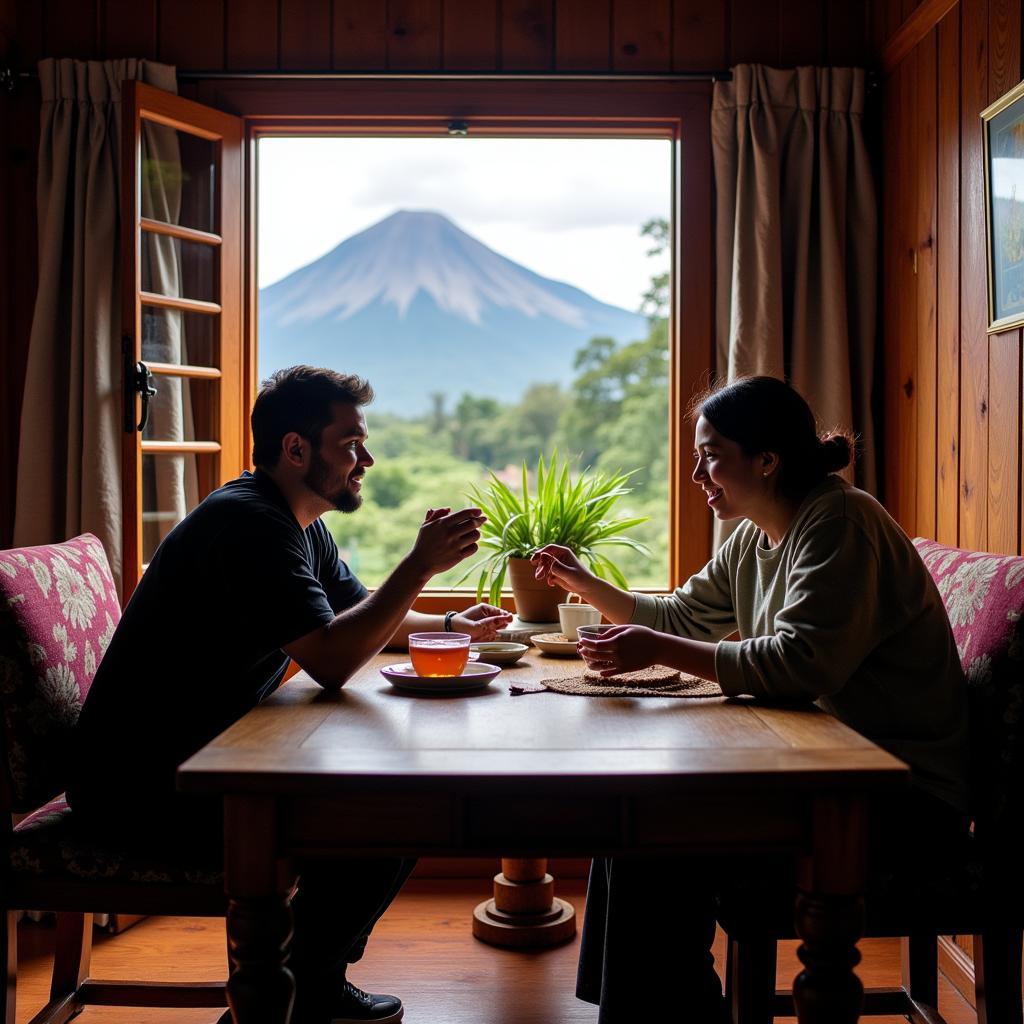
(570, 616)
(593, 632)
(439, 654)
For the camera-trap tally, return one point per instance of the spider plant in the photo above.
(561, 510)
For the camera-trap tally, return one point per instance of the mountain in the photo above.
(418, 306)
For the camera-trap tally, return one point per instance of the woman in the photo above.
(831, 603)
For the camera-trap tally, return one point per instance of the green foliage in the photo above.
(560, 510)
(655, 299)
(618, 413)
(389, 485)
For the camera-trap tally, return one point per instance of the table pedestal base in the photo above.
(524, 913)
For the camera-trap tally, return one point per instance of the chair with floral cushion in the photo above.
(58, 610)
(982, 894)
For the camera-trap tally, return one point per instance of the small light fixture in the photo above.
(458, 129)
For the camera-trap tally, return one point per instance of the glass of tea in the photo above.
(439, 654)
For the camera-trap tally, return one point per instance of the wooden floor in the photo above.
(422, 950)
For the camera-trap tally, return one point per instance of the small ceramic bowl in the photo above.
(497, 652)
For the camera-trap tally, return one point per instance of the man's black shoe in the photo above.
(354, 1006)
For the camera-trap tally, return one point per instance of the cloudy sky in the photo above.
(570, 209)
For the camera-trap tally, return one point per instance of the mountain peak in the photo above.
(412, 296)
(410, 217)
(411, 252)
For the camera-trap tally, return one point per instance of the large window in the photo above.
(600, 331)
(507, 298)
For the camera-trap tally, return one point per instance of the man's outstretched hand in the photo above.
(445, 539)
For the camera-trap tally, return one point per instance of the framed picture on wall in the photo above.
(1003, 131)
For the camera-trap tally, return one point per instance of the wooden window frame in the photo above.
(144, 103)
(678, 111)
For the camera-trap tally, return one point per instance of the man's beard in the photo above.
(317, 479)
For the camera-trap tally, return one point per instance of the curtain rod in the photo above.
(472, 76)
(10, 76)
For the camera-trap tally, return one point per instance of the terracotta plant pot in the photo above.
(535, 601)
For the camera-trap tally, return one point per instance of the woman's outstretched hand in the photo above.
(557, 566)
(621, 649)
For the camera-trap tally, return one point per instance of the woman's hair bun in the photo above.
(836, 450)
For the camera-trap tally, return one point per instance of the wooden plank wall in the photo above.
(952, 392)
(618, 36)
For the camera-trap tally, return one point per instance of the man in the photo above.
(248, 580)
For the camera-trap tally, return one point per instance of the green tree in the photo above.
(473, 429)
(389, 485)
(655, 299)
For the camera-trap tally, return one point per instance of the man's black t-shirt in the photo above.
(200, 642)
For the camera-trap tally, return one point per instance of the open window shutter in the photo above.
(182, 288)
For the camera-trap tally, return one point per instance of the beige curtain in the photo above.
(69, 464)
(796, 231)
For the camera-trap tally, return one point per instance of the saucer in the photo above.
(475, 676)
(561, 647)
(498, 652)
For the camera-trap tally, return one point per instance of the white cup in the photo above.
(572, 615)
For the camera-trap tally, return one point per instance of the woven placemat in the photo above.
(655, 681)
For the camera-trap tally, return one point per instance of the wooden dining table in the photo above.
(371, 770)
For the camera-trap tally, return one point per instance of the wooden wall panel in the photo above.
(700, 35)
(1003, 498)
(414, 35)
(891, 326)
(1003, 491)
(906, 298)
(9, 401)
(29, 31)
(1004, 46)
(801, 31)
(305, 39)
(959, 463)
(360, 35)
(70, 27)
(973, 316)
(925, 186)
(21, 147)
(470, 38)
(129, 28)
(641, 35)
(755, 30)
(251, 45)
(846, 34)
(527, 35)
(192, 34)
(583, 35)
(947, 503)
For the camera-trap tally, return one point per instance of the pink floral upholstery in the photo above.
(47, 844)
(58, 610)
(984, 598)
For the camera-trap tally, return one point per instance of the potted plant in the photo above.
(575, 513)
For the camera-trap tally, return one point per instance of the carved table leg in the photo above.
(261, 989)
(827, 991)
(830, 913)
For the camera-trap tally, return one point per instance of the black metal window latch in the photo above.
(138, 380)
